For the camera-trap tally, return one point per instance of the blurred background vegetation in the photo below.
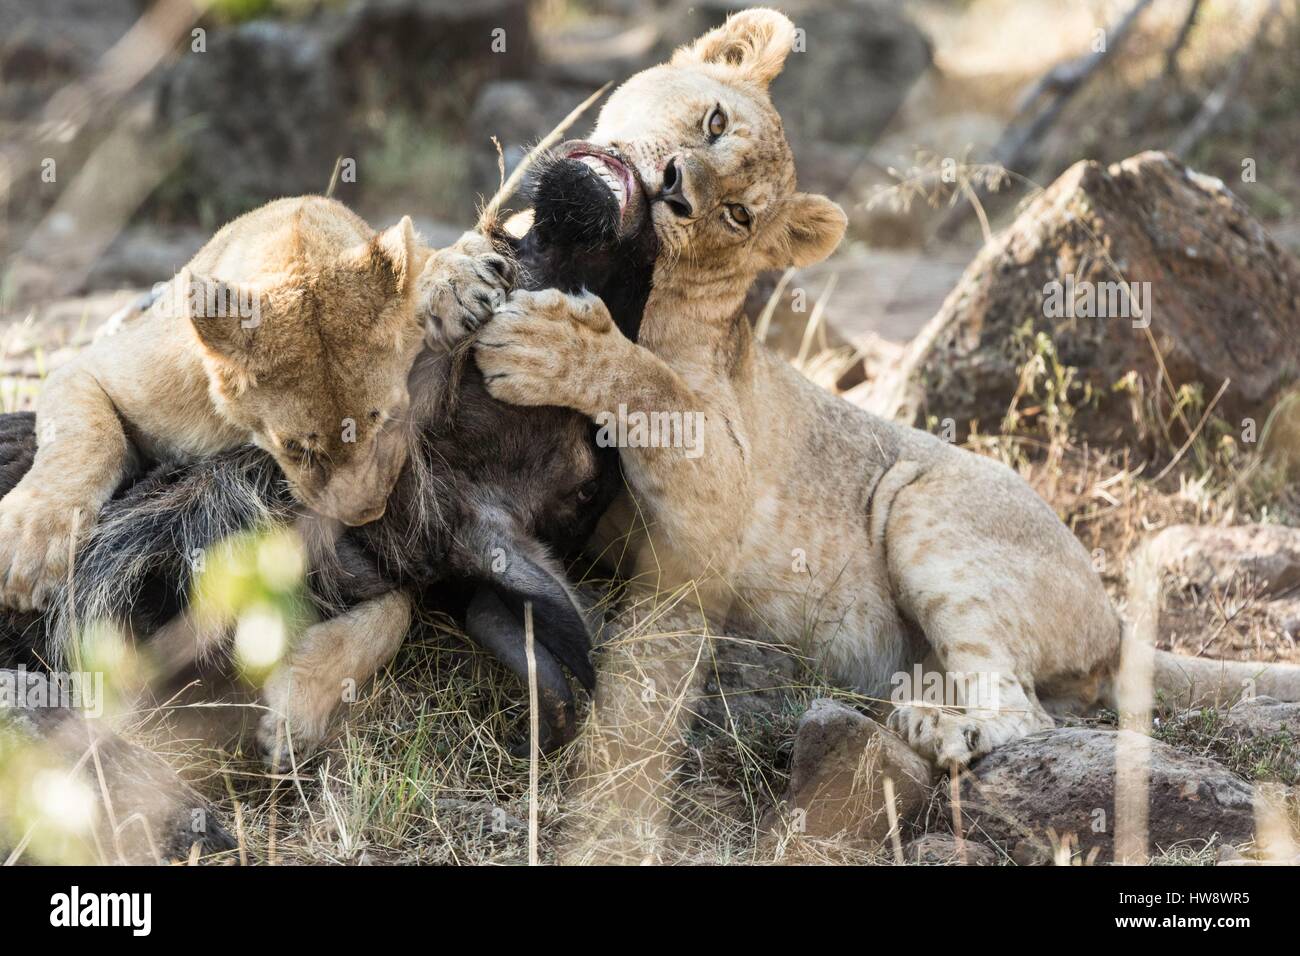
(261, 101)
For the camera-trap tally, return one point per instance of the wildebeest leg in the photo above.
(491, 625)
(332, 657)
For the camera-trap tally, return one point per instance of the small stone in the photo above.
(1030, 853)
(837, 771)
(943, 849)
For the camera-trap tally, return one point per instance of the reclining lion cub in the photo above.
(914, 551)
(294, 328)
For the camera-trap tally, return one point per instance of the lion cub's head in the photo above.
(710, 150)
(315, 364)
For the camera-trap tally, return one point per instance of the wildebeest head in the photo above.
(531, 483)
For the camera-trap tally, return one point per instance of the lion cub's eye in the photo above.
(716, 124)
(293, 448)
(739, 213)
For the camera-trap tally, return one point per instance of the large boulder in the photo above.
(1219, 299)
(261, 113)
(431, 56)
(267, 107)
(1063, 781)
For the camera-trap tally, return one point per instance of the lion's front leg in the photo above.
(683, 449)
(82, 455)
(331, 659)
(551, 348)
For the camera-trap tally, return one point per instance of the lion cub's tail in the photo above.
(1178, 679)
(1200, 681)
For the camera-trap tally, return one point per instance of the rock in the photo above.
(1256, 566)
(748, 678)
(261, 113)
(1284, 614)
(867, 46)
(45, 726)
(269, 106)
(1229, 855)
(1063, 780)
(1030, 853)
(1224, 304)
(942, 849)
(1213, 557)
(1262, 717)
(1257, 737)
(837, 772)
(430, 56)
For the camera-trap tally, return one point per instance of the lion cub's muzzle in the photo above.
(356, 492)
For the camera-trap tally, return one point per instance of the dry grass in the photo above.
(420, 772)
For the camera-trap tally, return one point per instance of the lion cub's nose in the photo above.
(673, 189)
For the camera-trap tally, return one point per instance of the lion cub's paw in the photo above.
(546, 348)
(461, 286)
(298, 715)
(941, 736)
(37, 538)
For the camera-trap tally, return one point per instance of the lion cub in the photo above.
(294, 328)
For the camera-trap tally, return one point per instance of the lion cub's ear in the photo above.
(389, 257)
(808, 230)
(225, 316)
(754, 42)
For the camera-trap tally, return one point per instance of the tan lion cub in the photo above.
(876, 547)
(294, 328)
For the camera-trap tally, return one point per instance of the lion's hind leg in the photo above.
(992, 616)
(983, 705)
